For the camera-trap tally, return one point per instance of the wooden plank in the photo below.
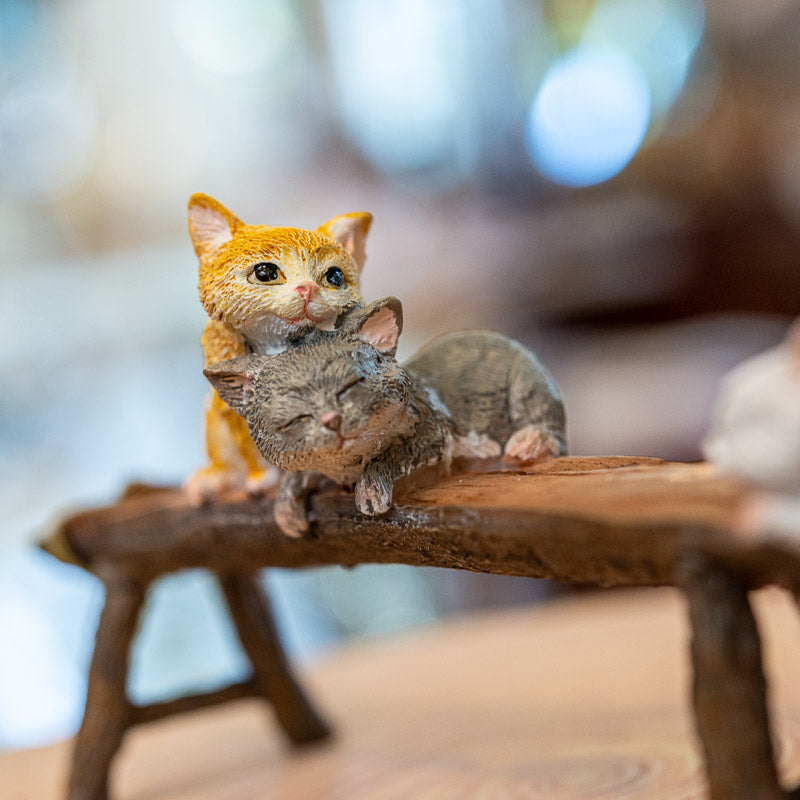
(609, 521)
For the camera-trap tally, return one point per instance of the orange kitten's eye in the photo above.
(335, 277)
(266, 272)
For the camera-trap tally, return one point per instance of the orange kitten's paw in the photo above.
(262, 481)
(529, 445)
(205, 484)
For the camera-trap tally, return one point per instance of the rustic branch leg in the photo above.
(252, 616)
(107, 713)
(729, 686)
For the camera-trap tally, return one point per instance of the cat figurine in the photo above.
(338, 404)
(262, 288)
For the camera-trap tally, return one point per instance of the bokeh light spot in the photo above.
(400, 111)
(589, 116)
(238, 37)
(661, 36)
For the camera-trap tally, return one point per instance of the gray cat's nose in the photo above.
(331, 420)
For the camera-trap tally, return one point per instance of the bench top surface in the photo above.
(607, 520)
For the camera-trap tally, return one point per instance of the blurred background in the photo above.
(614, 182)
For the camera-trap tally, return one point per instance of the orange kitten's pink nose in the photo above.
(306, 289)
(331, 420)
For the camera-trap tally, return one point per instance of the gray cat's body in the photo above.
(338, 404)
(492, 388)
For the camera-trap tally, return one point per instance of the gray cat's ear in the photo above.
(210, 224)
(350, 230)
(234, 381)
(380, 324)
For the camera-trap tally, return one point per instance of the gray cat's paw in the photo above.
(529, 445)
(373, 495)
(290, 517)
(290, 509)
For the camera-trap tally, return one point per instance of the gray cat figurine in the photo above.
(338, 404)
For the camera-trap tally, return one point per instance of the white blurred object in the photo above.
(755, 430)
(755, 434)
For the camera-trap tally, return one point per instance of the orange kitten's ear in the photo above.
(210, 224)
(350, 230)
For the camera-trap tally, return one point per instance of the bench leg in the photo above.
(107, 713)
(252, 616)
(729, 686)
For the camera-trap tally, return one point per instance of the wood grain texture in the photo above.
(584, 699)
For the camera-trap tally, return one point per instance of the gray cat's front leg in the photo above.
(374, 490)
(290, 511)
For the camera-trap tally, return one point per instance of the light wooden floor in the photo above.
(585, 698)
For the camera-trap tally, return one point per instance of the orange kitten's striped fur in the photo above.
(262, 287)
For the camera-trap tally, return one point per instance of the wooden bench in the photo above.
(612, 521)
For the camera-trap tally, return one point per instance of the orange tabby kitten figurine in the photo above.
(262, 288)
